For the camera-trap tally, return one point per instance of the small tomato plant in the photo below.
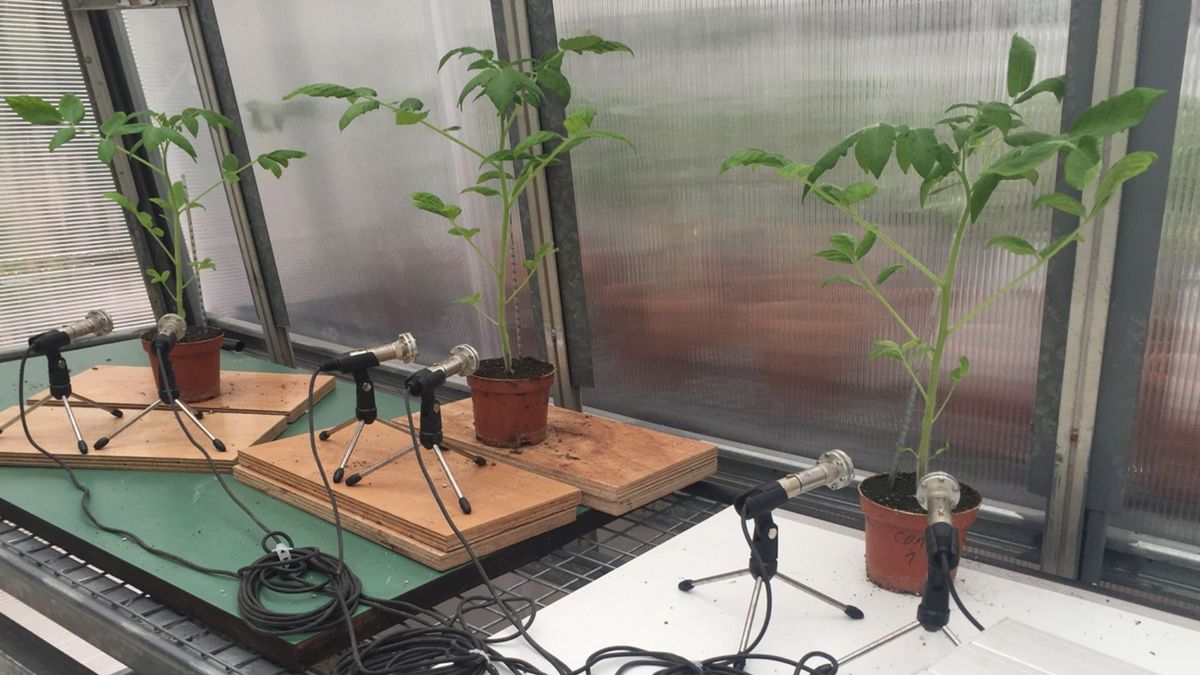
(509, 170)
(978, 146)
(156, 134)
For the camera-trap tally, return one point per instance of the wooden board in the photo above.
(617, 466)
(245, 392)
(423, 553)
(154, 443)
(396, 497)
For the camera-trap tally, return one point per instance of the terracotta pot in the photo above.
(197, 365)
(510, 413)
(896, 544)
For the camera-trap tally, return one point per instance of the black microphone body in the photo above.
(404, 347)
(939, 494)
(424, 383)
(96, 322)
(833, 468)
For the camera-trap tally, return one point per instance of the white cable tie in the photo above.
(487, 660)
(283, 551)
(699, 666)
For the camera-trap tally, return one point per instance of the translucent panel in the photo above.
(358, 263)
(64, 248)
(706, 306)
(1163, 492)
(168, 81)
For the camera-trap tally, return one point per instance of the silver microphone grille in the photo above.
(172, 324)
(469, 358)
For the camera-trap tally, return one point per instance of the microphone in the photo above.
(833, 468)
(171, 329)
(404, 348)
(96, 322)
(463, 360)
(938, 493)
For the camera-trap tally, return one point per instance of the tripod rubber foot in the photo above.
(220, 446)
(853, 612)
(824, 669)
(464, 504)
(116, 412)
(83, 447)
(351, 481)
(100, 443)
(324, 435)
(199, 414)
(480, 460)
(338, 473)
(686, 585)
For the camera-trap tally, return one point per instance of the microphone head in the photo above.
(404, 348)
(101, 320)
(469, 358)
(938, 487)
(172, 324)
(841, 468)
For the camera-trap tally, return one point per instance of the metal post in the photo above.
(1160, 62)
(249, 222)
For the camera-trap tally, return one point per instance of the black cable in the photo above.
(954, 593)
(666, 663)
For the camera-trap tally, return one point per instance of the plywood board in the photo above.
(423, 553)
(246, 392)
(617, 466)
(154, 443)
(502, 497)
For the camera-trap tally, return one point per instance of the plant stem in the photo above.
(506, 198)
(176, 235)
(875, 292)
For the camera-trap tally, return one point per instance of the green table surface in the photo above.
(187, 513)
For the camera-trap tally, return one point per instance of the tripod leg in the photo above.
(462, 501)
(689, 584)
(325, 434)
(103, 440)
(80, 443)
(748, 628)
(216, 442)
(341, 469)
(849, 610)
(353, 479)
(950, 634)
(37, 404)
(866, 649)
(478, 459)
(115, 412)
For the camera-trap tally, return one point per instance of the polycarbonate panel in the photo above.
(164, 67)
(706, 306)
(1162, 496)
(64, 249)
(358, 263)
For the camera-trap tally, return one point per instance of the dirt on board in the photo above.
(524, 368)
(902, 496)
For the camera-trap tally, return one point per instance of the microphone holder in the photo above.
(366, 413)
(60, 390)
(168, 398)
(763, 567)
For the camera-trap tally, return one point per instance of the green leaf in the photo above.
(589, 134)
(1024, 138)
(544, 250)
(864, 246)
(753, 157)
(1021, 59)
(844, 243)
(840, 278)
(981, 192)
(834, 255)
(270, 165)
(460, 52)
(105, 150)
(230, 163)
(1083, 162)
(795, 170)
(34, 110)
(831, 158)
(903, 160)
(492, 175)
(179, 194)
(111, 124)
(1013, 244)
(464, 232)
(431, 203)
(206, 264)
(888, 349)
(1129, 166)
(929, 187)
(1019, 160)
(830, 194)
(579, 120)
(552, 79)
(322, 90)
(284, 155)
(922, 150)
(472, 299)
(179, 140)
(963, 369)
(482, 189)
(856, 192)
(1055, 85)
(480, 80)
(874, 148)
(61, 136)
(1054, 246)
(121, 200)
(406, 117)
(358, 108)
(1064, 203)
(1115, 114)
(157, 277)
(189, 121)
(592, 43)
(536, 138)
(887, 272)
(213, 119)
(71, 108)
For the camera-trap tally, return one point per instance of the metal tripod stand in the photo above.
(168, 398)
(60, 390)
(764, 566)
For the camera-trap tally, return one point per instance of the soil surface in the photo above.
(194, 333)
(524, 368)
(902, 496)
